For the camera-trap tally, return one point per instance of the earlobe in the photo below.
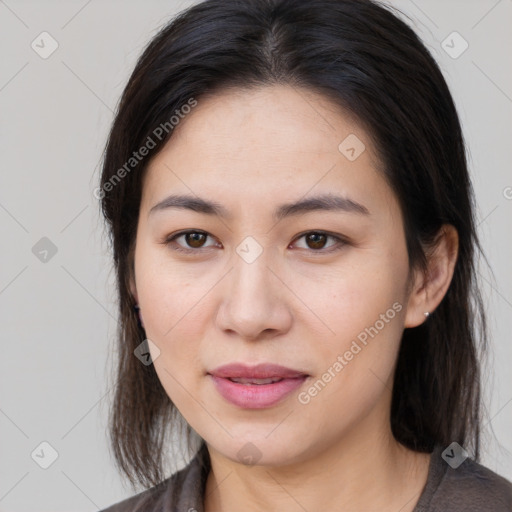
(430, 287)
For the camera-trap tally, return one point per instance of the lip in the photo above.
(256, 396)
(259, 371)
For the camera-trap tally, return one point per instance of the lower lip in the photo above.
(256, 396)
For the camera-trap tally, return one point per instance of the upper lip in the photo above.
(259, 371)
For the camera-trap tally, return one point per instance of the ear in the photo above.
(428, 289)
(133, 289)
(131, 273)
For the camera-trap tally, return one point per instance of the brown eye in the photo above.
(195, 239)
(189, 241)
(319, 241)
(316, 240)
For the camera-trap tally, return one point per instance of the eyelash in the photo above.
(340, 241)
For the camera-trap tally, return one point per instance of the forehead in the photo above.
(272, 118)
(263, 140)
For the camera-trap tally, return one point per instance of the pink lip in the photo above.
(259, 371)
(256, 396)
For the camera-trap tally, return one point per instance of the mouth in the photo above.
(255, 373)
(256, 382)
(256, 387)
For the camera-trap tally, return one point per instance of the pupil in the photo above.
(314, 239)
(195, 239)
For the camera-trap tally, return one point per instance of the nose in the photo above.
(255, 302)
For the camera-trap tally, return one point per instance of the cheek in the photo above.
(363, 308)
(354, 298)
(168, 293)
(172, 306)
(174, 322)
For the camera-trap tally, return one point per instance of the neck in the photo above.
(365, 470)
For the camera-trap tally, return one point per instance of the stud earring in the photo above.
(427, 314)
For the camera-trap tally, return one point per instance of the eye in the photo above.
(317, 241)
(193, 240)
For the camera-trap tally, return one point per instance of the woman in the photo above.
(292, 222)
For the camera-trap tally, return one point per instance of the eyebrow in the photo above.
(325, 202)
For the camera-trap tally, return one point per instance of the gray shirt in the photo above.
(469, 488)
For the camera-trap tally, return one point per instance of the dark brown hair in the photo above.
(362, 56)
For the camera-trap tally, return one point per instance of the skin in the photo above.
(297, 304)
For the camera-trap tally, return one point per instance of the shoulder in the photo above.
(148, 500)
(471, 487)
(182, 491)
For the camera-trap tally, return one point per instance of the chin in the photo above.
(260, 450)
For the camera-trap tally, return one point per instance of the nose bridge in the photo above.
(251, 280)
(253, 301)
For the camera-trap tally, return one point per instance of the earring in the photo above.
(427, 314)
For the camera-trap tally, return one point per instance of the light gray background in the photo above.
(58, 318)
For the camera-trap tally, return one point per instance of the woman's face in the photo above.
(257, 282)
